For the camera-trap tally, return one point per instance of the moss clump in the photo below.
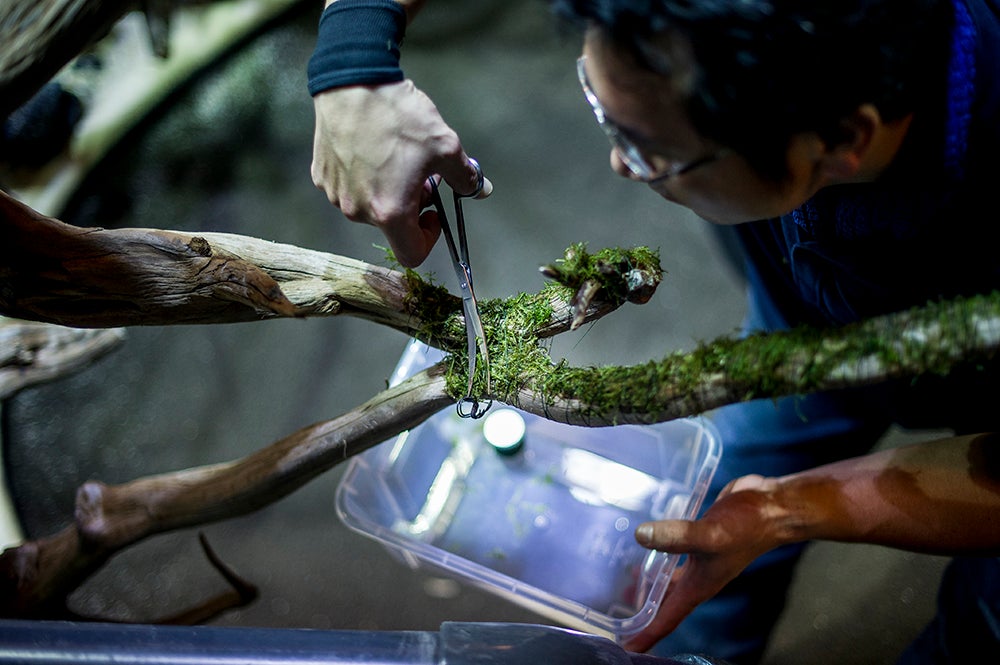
(511, 325)
(616, 275)
(927, 340)
(439, 312)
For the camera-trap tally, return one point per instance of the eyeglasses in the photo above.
(630, 154)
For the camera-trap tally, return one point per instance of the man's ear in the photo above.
(847, 155)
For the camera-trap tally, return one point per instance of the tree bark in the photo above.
(36, 577)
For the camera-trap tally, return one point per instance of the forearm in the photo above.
(937, 497)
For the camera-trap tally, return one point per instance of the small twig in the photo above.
(241, 594)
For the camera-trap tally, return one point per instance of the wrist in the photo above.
(800, 509)
(410, 6)
(358, 44)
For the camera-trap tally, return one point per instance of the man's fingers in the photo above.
(668, 617)
(463, 177)
(411, 243)
(679, 536)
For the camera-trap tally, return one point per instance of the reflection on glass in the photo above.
(444, 495)
(597, 480)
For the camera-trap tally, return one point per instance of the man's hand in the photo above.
(739, 527)
(373, 150)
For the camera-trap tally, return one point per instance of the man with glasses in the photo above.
(849, 148)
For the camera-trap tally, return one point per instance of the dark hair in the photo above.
(768, 69)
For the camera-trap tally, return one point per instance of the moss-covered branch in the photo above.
(927, 340)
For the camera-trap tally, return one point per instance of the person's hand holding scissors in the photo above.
(378, 138)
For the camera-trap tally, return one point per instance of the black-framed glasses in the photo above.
(630, 154)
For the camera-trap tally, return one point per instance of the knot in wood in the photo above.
(200, 246)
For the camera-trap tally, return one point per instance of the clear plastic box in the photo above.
(548, 525)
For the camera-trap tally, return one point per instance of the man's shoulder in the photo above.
(985, 15)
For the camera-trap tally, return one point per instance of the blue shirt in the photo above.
(924, 230)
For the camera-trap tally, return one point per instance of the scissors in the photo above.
(469, 406)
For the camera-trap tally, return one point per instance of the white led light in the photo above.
(504, 430)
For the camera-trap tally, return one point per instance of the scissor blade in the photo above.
(470, 332)
(476, 325)
(473, 324)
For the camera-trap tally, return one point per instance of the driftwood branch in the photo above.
(37, 576)
(55, 272)
(38, 37)
(40, 574)
(32, 352)
(95, 277)
(932, 339)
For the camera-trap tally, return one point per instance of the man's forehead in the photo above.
(666, 63)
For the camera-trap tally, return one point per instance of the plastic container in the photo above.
(545, 520)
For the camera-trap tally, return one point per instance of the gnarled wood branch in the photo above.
(36, 577)
(933, 339)
(39, 575)
(97, 278)
(56, 272)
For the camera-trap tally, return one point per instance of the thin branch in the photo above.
(32, 352)
(240, 594)
(37, 576)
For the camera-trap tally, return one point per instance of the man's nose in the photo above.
(619, 167)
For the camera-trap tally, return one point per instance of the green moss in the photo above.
(509, 324)
(797, 361)
(621, 274)
(434, 306)
(516, 354)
